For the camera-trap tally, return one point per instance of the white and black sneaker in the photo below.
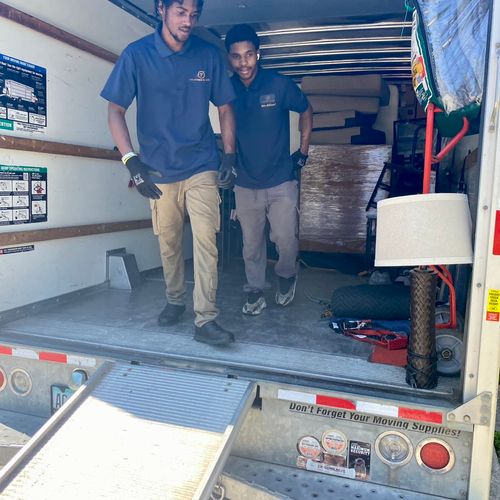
(286, 291)
(255, 304)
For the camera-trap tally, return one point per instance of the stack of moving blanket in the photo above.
(346, 108)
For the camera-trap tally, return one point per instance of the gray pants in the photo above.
(279, 205)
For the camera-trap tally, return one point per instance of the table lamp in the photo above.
(427, 231)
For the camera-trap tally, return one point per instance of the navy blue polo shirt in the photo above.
(263, 128)
(173, 90)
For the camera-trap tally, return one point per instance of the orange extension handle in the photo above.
(445, 275)
(453, 142)
(429, 137)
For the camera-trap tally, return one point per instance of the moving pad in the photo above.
(342, 119)
(329, 103)
(360, 85)
(334, 190)
(351, 135)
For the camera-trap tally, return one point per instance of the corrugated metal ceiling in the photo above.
(300, 37)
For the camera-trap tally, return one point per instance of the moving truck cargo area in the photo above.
(307, 305)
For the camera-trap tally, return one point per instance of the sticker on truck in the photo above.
(359, 459)
(334, 442)
(325, 468)
(353, 462)
(493, 306)
(309, 447)
(59, 394)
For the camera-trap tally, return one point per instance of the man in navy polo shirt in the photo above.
(173, 76)
(266, 184)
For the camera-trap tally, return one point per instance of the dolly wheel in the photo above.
(450, 350)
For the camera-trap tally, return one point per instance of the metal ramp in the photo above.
(134, 431)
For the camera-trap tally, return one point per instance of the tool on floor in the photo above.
(370, 332)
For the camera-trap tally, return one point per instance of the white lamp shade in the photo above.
(423, 229)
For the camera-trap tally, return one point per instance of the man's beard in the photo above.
(175, 36)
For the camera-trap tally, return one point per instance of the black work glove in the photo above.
(141, 177)
(299, 159)
(227, 171)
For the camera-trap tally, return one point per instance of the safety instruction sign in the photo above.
(493, 306)
(23, 95)
(23, 195)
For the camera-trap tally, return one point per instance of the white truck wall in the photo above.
(80, 190)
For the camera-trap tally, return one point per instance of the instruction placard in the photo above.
(23, 195)
(23, 95)
(493, 307)
(20, 249)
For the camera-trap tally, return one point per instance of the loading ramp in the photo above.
(133, 431)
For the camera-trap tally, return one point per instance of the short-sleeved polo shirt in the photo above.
(173, 91)
(263, 128)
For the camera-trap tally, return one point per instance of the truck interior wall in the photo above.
(482, 357)
(80, 190)
(464, 156)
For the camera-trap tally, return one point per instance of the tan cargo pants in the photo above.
(200, 196)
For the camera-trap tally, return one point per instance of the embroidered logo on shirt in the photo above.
(200, 77)
(267, 101)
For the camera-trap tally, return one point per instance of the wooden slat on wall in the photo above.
(48, 147)
(9, 142)
(58, 148)
(32, 236)
(33, 23)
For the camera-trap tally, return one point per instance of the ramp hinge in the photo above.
(476, 411)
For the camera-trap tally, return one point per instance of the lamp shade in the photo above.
(423, 229)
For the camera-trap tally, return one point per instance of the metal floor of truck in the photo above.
(292, 341)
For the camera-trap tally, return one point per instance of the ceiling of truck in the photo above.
(309, 37)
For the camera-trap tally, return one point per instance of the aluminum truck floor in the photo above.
(283, 340)
(133, 432)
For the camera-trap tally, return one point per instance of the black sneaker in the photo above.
(212, 333)
(255, 304)
(286, 291)
(170, 314)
